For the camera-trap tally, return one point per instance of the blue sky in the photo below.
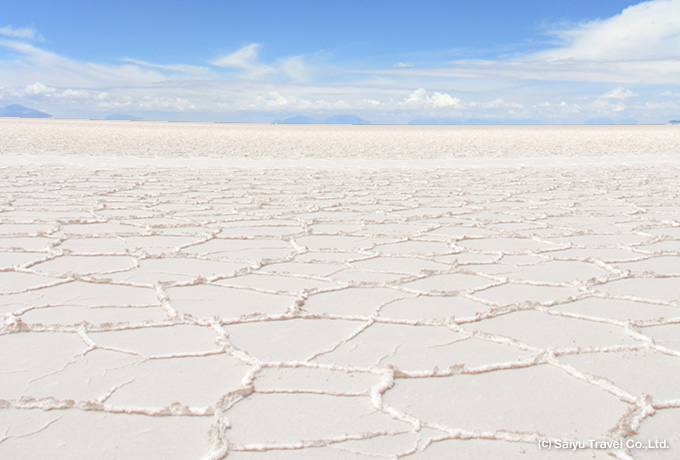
(488, 61)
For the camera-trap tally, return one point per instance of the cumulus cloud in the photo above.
(436, 99)
(418, 96)
(444, 100)
(569, 108)
(37, 89)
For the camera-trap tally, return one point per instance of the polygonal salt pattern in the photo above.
(306, 313)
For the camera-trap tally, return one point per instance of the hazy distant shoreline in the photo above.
(296, 141)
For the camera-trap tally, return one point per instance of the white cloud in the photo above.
(36, 64)
(574, 108)
(277, 100)
(619, 93)
(185, 70)
(246, 81)
(37, 89)
(444, 100)
(21, 32)
(296, 67)
(497, 103)
(417, 96)
(244, 59)
(75, 94)
(436, 100)
(640, 45)
(646, 31)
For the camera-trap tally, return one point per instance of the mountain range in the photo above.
(16, 110)
(122, 116)
(334, 120)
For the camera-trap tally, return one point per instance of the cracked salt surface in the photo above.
(438, 304)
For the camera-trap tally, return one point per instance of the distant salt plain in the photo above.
(245, 291)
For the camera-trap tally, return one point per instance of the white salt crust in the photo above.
(340, 309)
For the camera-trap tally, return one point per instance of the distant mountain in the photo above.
(674, 122)
(609, 121)
(469, 121)
(346, 120)
(446, 121)
(297, 119)
(16, 110)
(121, 116)
(335, 120)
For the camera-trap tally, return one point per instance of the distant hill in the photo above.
(297, 119)
(16, 110)
(674, 122)
(609, 121)
(121, 116)
(346, 120)
(447, 121)
(335, 120)
(470, 121)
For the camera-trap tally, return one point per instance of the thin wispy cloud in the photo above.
(640, 45)
(244, 59)
(648, 31)
(37, 64)
(296, 68)
(247, 60)
(183, 70)
(28, 33)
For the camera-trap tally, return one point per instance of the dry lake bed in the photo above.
(261, 292)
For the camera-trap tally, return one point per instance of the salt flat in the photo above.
(347, 292)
